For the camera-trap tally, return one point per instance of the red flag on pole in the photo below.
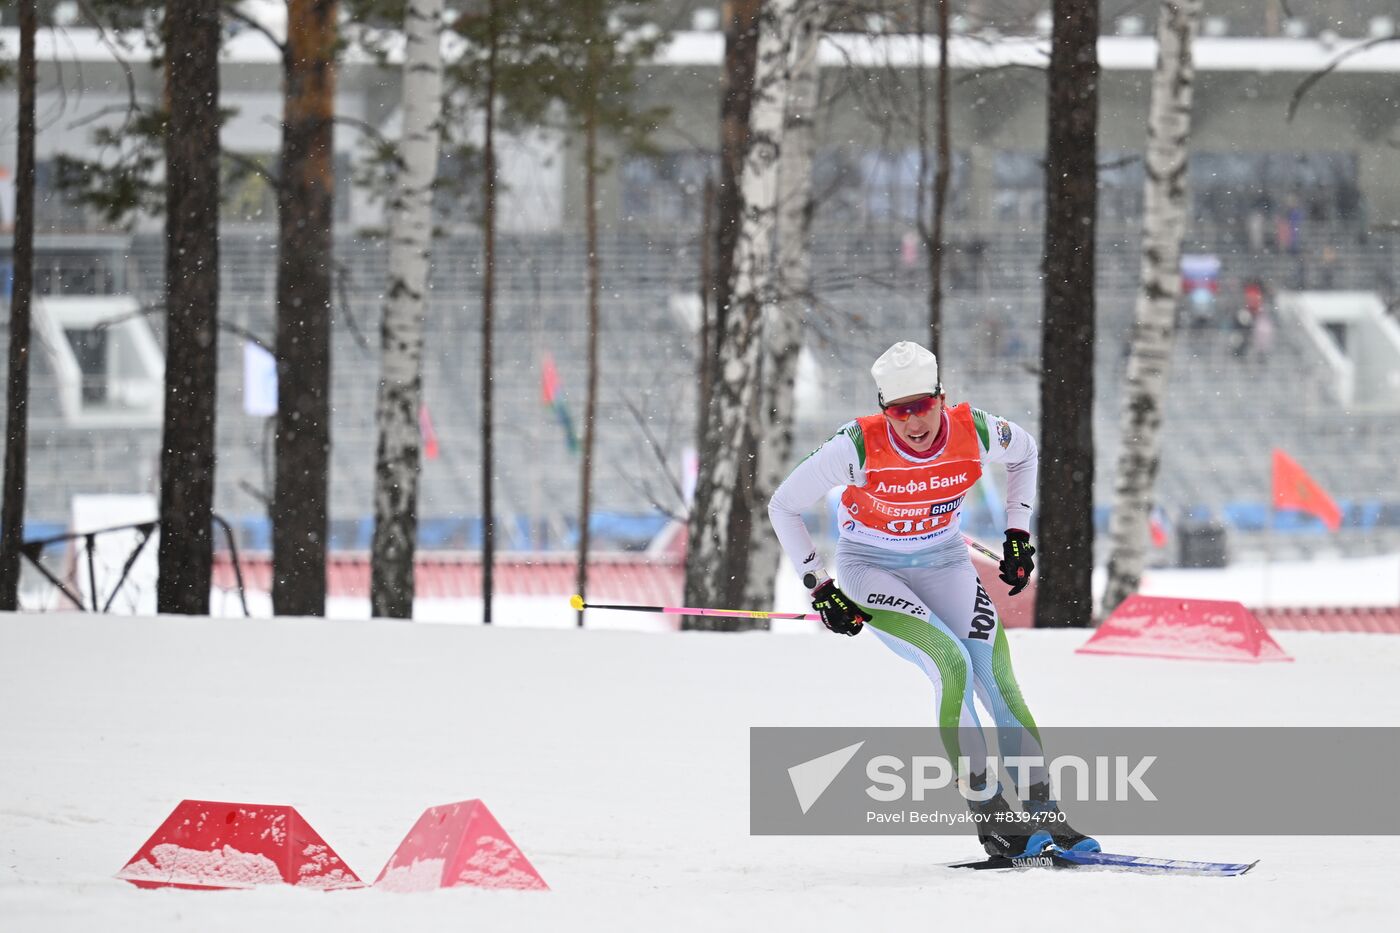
(425, 430)
(1156, 524)
(549, 380)
(1295, 489)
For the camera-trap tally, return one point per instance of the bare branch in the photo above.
(1120, 163)
(342, 271)
(232, 12)
(147, 310)
(144, 310)
(979, 73)
(255, 492)
(132, 105)
(240, 331)
(655, 447)
(102, 112)
(364, 126)
(1302, 89)
(254, 167)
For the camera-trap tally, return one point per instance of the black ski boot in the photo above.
(1002, 832)
(1048, 824)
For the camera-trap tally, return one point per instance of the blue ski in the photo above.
(1060, 858)
(1144, 863)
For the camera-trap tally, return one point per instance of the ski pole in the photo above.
(985, 550)
(579, 605)
(577, 602)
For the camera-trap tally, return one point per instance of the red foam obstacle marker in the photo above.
(208, 845)
(458, 844)
(1192, 629)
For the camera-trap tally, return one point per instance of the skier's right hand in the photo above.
(838, 611)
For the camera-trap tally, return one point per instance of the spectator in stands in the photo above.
(1253, 326)
(1295, 226)
(1288, 226)
(1239, 336)
(1253, 296)
(1261, 334)
(1385, 285)
(1255, 222)
(1328, 270)
(1202, 305)
(1283, 233)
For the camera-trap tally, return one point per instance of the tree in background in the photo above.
(931, 230)
(398, 458)
(590, 77)
(736, 100)
(1066, 495)
(721, 509)
(305, 199)
(796, 31)
(708, 584)
(1149, 355)
(883, 95)
(507, 67)
(191, 308)
(21, 295)
(488, 313)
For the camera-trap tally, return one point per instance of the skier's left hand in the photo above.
(1016, 564)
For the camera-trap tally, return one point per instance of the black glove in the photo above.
(838, 612)
(1016, 564)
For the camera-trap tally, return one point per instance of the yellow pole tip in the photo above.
(576, 601)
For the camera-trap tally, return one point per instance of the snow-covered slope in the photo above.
(617, 760)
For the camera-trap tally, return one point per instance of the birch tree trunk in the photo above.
(736, 101)
(398, 458)
(722, 487)
(21, 293)
(305, 202)
(706, 584)
(1140, 450)
(784, 316)
(1065, 561)
(187, 458)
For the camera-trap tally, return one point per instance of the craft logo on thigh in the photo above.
(897, 603)
(984, 617)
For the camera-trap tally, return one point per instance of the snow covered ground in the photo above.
(617, 760)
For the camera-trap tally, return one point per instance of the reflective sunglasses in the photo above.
(907, 410)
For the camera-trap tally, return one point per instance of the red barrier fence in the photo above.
(659, 579)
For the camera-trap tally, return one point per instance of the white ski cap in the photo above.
(904, 370)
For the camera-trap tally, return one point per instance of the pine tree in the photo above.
(21, 293)
(306, 192)
(191, 308)
(1065, 557)
(588, 84)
